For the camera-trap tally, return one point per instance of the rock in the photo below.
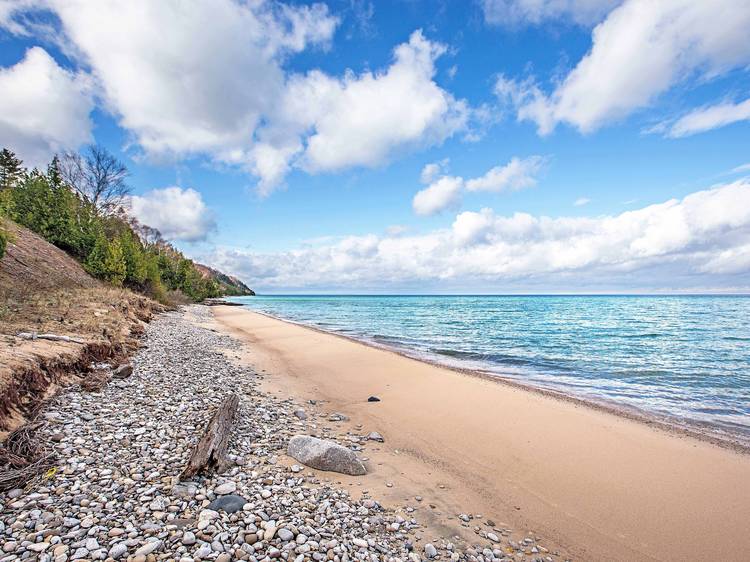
(38, 547)
(430, 551)
(325, 455)
(188, 538)
(375, 436)
(224, 557)
(373, 399)
(123, 371)
(229, 503)
(300, 414)
(285, 534)
(148, 548)
(269, 533)
(118, 550)
(15, 493)
(493, 537)
(225, 488)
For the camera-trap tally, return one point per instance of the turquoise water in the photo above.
(685, 357)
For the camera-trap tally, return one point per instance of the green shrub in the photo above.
(3, 242)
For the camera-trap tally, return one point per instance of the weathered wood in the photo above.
(51, 337)
(211, 450)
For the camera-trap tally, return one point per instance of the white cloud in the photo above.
(741, 168)
(43, 108)
(397, 229)
(431, 171)
(519, 173)
(205, 76)
(640, 51)
(581, 201)
(688, 242)
(179, 214)
(535, 12)
(444, 192)
(211, 81)
(711, 117)
(330, 123)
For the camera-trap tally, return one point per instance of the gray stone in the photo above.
(285, 534)
(118, 550)
(225, 488)
(229, 503)
(123, 371)
(325, 455)
(375, 436)
(430, 551)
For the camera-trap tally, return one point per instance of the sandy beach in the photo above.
(595, 485)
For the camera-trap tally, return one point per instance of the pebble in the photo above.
(225, 488)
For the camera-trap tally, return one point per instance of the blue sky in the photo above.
(570, 145)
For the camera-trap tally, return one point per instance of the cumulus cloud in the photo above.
(43, 108)
(444, 192)
(179, 214)
(440, 195)
(211, 81)
(519, 173)
(711, 117)
(693, 240)
(328, 123)
(641, 50)
(535, 12)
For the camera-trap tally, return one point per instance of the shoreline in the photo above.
(670, 424)
(589, 482)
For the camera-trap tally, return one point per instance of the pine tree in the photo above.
(54, 175)
(98, 255)
(11, 169)
(114, 264)
(135, 262)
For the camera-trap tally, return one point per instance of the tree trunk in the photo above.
(210, 451)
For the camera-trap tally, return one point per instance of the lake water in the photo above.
(684, 357)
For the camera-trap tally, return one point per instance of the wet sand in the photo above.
(592, 484)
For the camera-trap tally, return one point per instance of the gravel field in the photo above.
(114, 492)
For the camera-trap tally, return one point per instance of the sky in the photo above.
(353, 146)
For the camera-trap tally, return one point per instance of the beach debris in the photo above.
(373, 399)
(325, 455)
(375, 436)
(210, 452)
(123, 371)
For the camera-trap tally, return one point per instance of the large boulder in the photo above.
(325, 455)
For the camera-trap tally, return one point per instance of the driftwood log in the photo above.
(210, 452)
(50, 337)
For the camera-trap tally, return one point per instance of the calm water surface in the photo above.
(686, 357)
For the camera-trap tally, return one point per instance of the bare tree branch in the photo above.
(98, 177)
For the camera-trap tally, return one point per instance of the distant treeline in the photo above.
(77, 205)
